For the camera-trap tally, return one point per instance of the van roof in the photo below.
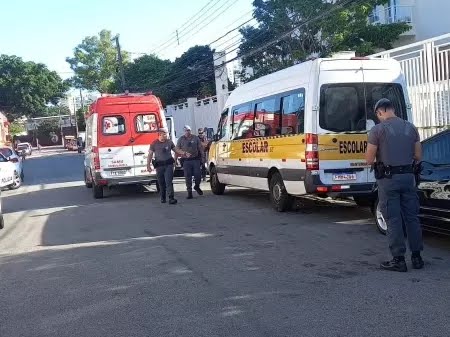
(295, 76)
(100, 104)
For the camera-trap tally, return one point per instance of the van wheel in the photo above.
(2, 222)
(279, 197)
(216, 186)
(88, 184)
(97, 191)
(379, 218)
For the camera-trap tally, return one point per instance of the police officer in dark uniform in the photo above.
(393, 148)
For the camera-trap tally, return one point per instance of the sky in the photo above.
(47, 31)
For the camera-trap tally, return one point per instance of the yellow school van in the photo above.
(303, 130)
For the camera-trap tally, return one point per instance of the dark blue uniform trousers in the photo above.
(399, 204)
(164, 174)
(192, 168)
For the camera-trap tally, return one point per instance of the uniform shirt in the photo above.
(162, 150)
(395, 139)
(191, 145)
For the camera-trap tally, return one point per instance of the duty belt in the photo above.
(390, 170)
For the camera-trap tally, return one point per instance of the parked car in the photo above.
(434, 187)
(14, 158)
(7, 175)
(25, 147)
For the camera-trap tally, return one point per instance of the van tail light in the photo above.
(312, 152)
(96, 158)
(14, 160)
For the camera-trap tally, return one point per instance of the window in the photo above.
(293, 119)
(223, 124)
(267, 118)
(348, 107)
(6, 152)
(146, 123)
(113, 125)
(243, 122)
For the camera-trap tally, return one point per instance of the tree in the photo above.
(16, 128)
(80, 118)
(191, 75)
(144, 74)
(56, 110)
(94, 63)
(344, 28)
(48, 127)
(26, 88)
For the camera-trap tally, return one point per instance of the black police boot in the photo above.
(172, 201)
(417, 261)
(396, 264)
(198, 190)
(190, 196)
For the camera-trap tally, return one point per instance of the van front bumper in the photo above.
(147, 180)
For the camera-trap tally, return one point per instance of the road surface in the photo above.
(213, 266)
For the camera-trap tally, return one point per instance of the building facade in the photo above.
(427, 18)
(4, 130)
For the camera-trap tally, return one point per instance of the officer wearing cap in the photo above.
(393, 147)
(191, 145)
(164, 163)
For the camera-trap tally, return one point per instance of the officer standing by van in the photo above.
(205, 144)
(393, 146)
(191, 145)
(164, 164)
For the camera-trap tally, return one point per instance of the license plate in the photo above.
(344, 176)
(118, 173)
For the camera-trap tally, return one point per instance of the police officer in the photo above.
(191, 145)
(205, 144)
(393, 146)
(164, 164)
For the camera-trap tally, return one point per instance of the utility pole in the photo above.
(119, 59)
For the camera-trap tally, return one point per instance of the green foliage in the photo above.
(343, 29)
(16, 128)
(94, 63)
(27, 87)
(48, 127)
(80, 118)
(54, 110)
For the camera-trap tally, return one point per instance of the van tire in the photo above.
(279, 197)
(97, 191)
(216, 186)
(2, 222)
(88, 184)
(379, 218)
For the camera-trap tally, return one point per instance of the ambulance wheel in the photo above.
(216, 186)
(97, 191)
(279, 197)
(88, 184)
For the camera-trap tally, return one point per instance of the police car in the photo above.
(7, 173)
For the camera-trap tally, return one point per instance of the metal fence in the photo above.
(426, 68)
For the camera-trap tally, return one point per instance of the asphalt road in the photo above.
(213, 266)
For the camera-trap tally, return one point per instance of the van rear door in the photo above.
(347, 98)
(342, 132)
(115, 150)
(145, 125)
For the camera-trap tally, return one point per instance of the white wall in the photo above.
(431, 18)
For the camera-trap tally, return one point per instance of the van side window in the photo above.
(243, 117)
(293, 117)
(267, 118)
(223, 124)
(146, 123)
(113, 125)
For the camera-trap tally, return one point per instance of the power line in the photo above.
(186, 22)
(202, 26)
(275, 40)
(187, 29)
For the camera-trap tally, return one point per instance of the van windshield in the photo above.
(348, 107)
